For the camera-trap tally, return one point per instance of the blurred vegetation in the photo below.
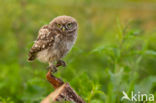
(115, 50)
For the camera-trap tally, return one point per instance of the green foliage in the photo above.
(109, 56)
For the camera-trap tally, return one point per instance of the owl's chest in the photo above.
(62, 46)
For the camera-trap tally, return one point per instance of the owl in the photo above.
(54, 41)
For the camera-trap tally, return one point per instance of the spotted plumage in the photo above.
(54, 40)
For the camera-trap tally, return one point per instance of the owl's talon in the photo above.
(53, 69)
(61, 63)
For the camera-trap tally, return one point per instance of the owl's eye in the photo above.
(59, 25)
(69, 25)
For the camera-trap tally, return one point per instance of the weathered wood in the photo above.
(63, 91)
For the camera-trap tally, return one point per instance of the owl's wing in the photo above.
(44, 40)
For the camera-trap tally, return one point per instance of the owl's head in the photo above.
(64, 24)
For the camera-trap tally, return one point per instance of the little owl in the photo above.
(54, 41)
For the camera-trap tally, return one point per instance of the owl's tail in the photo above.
(31, 56)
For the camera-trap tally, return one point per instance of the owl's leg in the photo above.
(60, 63)
(52, 67)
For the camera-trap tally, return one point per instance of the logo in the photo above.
(137, 97)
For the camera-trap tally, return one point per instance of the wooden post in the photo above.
(63, 91)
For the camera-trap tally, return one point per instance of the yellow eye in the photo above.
(69, 25)
(59, 25)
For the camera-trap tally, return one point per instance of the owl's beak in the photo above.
(63, 28)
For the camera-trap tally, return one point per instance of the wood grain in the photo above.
(63, 91)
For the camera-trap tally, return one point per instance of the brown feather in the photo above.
(44, 40)
(53, 43)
